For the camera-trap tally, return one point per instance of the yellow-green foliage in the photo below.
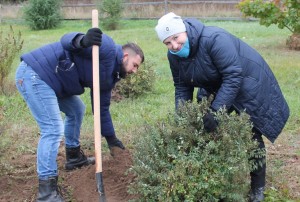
(284, 14)
(10, 46)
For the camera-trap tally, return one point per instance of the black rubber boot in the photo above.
(77, 159)
(258, 176)
(49, 191)
(257, 195)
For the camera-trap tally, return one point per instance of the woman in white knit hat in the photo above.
(220, 64)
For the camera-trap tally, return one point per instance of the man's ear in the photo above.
(126, 54)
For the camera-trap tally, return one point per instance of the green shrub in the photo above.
(137, 84)
(10, 46)
(284, 14)
(43, 14)
(110, 13)
(178, 161)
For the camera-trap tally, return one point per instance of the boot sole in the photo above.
(74, 167)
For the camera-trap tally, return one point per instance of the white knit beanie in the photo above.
(169, 25)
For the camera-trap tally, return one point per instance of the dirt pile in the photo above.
(21, 184)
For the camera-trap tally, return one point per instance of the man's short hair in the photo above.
(135, 48)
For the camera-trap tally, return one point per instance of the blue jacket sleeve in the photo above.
(229, 66)
(107, 127)
(68, 41)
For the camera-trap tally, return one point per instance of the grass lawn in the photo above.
(19, 132)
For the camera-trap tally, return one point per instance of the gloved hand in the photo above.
(114, 145)
(92, 37)
(113, 141)
(210, 123)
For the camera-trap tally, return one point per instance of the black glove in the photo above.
(92, 37)
(210, 123)
(113, 141)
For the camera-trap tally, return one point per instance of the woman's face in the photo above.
(176, 41)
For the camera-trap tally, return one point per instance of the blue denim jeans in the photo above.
(46, 109)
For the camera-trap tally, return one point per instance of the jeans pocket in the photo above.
(26, 80)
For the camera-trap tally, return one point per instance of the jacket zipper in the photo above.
(193, 74)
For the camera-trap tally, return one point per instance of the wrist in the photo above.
(77, 41)
(81, 43)
(110, 138)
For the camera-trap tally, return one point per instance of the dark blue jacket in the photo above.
(67, 69)
(221, 64)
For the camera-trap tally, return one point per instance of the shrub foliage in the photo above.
(10, 45)
(137, 84)
(110, 13)
(283, 13)
(43, 14)
(178, 161)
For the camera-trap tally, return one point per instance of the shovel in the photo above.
(97, 121)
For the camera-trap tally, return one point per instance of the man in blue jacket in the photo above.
(222, 65)
(51, 78)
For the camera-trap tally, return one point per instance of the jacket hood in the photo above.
(194, 30)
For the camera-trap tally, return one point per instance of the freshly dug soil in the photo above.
(21, 183)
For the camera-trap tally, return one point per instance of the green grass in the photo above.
(19, 132)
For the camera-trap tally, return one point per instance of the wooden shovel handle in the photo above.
(96, 96)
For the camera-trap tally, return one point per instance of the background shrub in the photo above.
(42, 14)
(110, 13)
(283, 13)
(178, 161)
(137, 84)
(10, 45)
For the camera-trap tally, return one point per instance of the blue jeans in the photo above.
(46, 109)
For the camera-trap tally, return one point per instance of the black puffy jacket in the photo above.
(221, 64)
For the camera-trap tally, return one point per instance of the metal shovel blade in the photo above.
(100, 187)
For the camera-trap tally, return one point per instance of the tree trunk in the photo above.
(293, 42)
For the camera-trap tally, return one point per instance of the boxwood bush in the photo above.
(176, 160)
